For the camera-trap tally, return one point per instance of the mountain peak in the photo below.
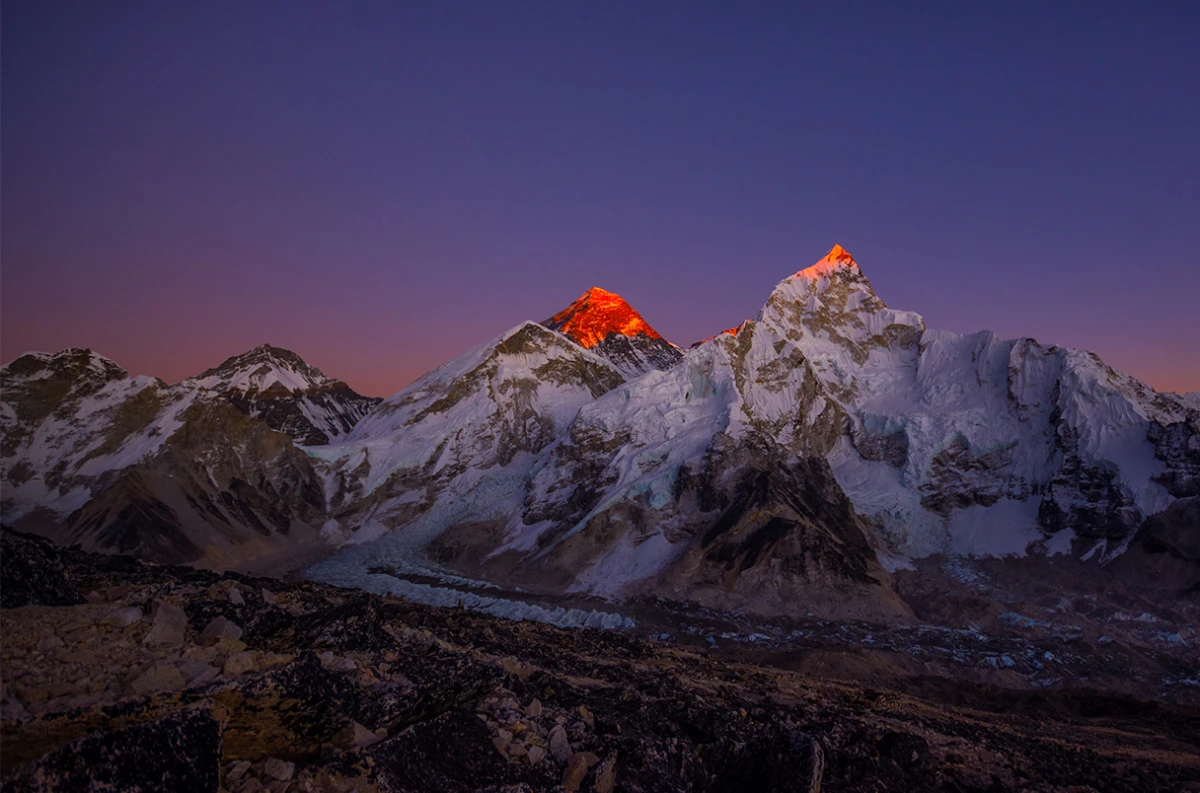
(837, 258)
(595, 315)
(839, 254)
(260, 368)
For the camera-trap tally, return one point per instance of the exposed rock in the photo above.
(354, 736)
(240, 663)
(33, 574)
(219, 628)
(237, 770)
(180, 751)
(168, 625)
(606, 775)
(124, 617)
(279, 769)
(159, 677)
(665, 716)
(560, 748)
(576, 770)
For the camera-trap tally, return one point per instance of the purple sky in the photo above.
(380, 186)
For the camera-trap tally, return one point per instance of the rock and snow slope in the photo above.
(604, 323)
(721, 477)
(278, 387)
(783, 465)
(181, 473)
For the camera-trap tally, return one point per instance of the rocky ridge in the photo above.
(136, 677)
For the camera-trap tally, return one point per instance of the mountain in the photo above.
(791, 463)
(975, 444)
(278, 387)
(795, 464)
(457, 438)
(182, 473)
(603, 322)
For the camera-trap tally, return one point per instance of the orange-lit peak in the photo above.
(597, 313)
(839, 254)
(836, 258)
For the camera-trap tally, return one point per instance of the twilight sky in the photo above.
(379, 186)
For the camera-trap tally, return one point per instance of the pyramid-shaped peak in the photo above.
(839, 254)
(595, 315)
(838, 259)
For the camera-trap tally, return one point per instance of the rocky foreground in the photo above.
(119, 675)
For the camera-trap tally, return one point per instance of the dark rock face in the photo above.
(876, 440)
(332, 689)
(1086, 498)
(634, 353)
(180, 751)
(1178, 445)
(32, 573)
(960, 476)
(1165, 552)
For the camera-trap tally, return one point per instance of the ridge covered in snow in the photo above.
(277, 386)
(795, 459)
(944, 443)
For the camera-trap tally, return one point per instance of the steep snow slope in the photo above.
(971, 443)
(278, 387)
(71, 417)
(463, 437)
(603, 322)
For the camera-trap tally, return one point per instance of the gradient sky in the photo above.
(379, 186)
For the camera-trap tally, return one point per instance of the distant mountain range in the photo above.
(786, 465)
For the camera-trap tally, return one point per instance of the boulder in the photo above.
(169, 624)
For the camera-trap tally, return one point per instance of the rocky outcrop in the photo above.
(33, 573)
(1165, 552)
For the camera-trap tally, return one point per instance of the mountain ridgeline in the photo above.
(790, 465)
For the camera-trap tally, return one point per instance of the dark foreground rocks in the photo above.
(124, 676)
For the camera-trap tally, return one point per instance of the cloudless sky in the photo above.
(379, 186)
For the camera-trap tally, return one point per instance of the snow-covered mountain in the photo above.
(277, 386)
(462, 433)
(604, 323)
(721, 478)
(786, 465)
(182, 473)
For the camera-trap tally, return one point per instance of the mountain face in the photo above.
(463, 437)
(171, 473)
(278, 387)
(608, 326)
(795, 459)
(790, 465)
(974, 444)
